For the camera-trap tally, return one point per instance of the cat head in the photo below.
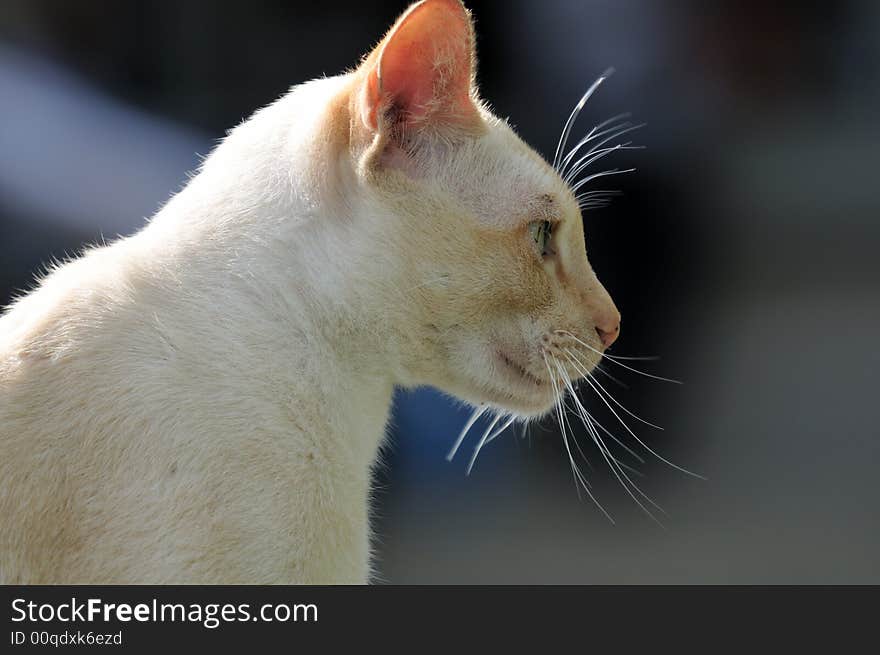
(499, 301)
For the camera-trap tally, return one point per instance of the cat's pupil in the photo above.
(541, 231)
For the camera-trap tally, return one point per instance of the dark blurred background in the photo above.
(744, 252)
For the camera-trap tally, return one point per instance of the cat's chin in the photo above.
(495, 378)
(516, 390)
(533, 406)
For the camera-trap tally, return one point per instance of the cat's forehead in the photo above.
(503, 181)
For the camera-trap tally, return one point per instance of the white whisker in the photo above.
(641, 358)
(574, 438)
(634, 436)
(500, 430)
(622, 474)
(595, 133)
(614, 360)
(589, 178)
(612, 436)
(613, 463)
(580, 450)
(608, 375)
(563, 138)
(578, 476)
(595, 155)
(615, 133)
(478, 412)
(598, 193)
(578, 364)
(481, 443)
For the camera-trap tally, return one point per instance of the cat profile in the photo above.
(202, 402)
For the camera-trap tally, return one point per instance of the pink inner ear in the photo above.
(426, 64)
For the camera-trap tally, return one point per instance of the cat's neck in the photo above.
(262, 245)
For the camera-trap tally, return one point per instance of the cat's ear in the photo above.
(420, 75)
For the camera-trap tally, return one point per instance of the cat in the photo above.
(203, 401)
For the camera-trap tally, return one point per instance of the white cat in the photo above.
(203, 402)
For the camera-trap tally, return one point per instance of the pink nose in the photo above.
(608, 332)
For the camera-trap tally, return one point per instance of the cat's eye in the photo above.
(541, 231)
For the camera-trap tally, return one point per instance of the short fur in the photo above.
(202, 402)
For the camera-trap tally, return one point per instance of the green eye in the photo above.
(541, 231)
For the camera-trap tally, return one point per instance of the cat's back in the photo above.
(155, 391)
(128, 382)
(70, 317)
(55, 374)
(97, 476)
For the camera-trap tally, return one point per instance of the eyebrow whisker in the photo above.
(563, 138)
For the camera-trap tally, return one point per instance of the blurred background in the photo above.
(743, 252)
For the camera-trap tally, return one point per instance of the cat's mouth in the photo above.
(518, 370)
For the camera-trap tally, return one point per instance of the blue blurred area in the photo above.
(424, 429)
(432, 418)
(743, 251)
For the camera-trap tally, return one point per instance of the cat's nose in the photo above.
(603, 312)
(608, 328)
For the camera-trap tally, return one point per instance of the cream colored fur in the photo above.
(203, 402)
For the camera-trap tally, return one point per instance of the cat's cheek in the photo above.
(530, 294)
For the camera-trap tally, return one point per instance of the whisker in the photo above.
(634, 436)
(604, 194)
(578, 444)
(613, 133)
(641, 358)
(590, 206)
(481, 442)
(595, 155)
(609, 458)
(485, 442)
(620, 466)
(590, 380)
(614, 359)
(618, 442)
(478, 412)
(588, 178)
(563, 138)
(591, 156)
(608, 375)
(595, 133)
(500, 430)
(578, 476)
(613, 437)
(578, 364)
